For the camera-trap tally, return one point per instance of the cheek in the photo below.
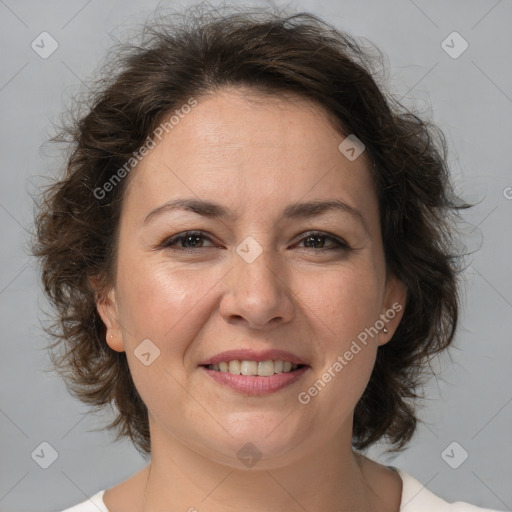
(160, 303)
(167, 307)
(344, 301)
(342, 308)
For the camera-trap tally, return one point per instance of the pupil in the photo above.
(192, 238)
(315, 237)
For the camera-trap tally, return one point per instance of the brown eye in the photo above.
(190, 240)
(187, 240)
(313, 240)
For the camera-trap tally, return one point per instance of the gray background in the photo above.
(471, 99)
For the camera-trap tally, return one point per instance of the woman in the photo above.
(251, 258)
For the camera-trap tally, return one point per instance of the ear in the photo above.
(106, 304)
(395, 298)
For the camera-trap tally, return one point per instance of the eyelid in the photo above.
(184, 234)
(324, 234)
(172, 240)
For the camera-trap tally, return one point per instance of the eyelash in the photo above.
(169, 243)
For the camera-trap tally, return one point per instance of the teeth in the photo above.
(261, 368)
(265, 368)
(234, 367)
(249, 368)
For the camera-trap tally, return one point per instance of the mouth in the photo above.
(255, 373)
(266, 368)
(255, 377)
(252, 356)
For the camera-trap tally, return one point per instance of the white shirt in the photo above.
(415, 498)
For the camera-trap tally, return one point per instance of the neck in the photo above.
(331, 477)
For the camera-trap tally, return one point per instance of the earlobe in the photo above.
(394, 306)
(115, 343)
(106, 305)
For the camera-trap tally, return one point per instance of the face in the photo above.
(258, 273)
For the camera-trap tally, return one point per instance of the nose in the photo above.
(257, 293)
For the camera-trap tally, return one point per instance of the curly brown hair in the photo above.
(271, 52)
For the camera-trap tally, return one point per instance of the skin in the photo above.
(255, 155)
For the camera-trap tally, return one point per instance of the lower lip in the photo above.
(255, 385)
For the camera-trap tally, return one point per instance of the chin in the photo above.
(254, 446)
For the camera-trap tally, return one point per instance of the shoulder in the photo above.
(417, 498)
(93, 504)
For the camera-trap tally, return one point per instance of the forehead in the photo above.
(235, 145)
(241, 118)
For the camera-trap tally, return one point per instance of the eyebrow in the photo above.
(293, 211)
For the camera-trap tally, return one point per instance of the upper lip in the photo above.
(252, 355)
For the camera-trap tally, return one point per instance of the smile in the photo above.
(254, 383)
(259, 368)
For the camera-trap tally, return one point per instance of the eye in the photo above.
(187, 240)
(315, 238)
(195, 239)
